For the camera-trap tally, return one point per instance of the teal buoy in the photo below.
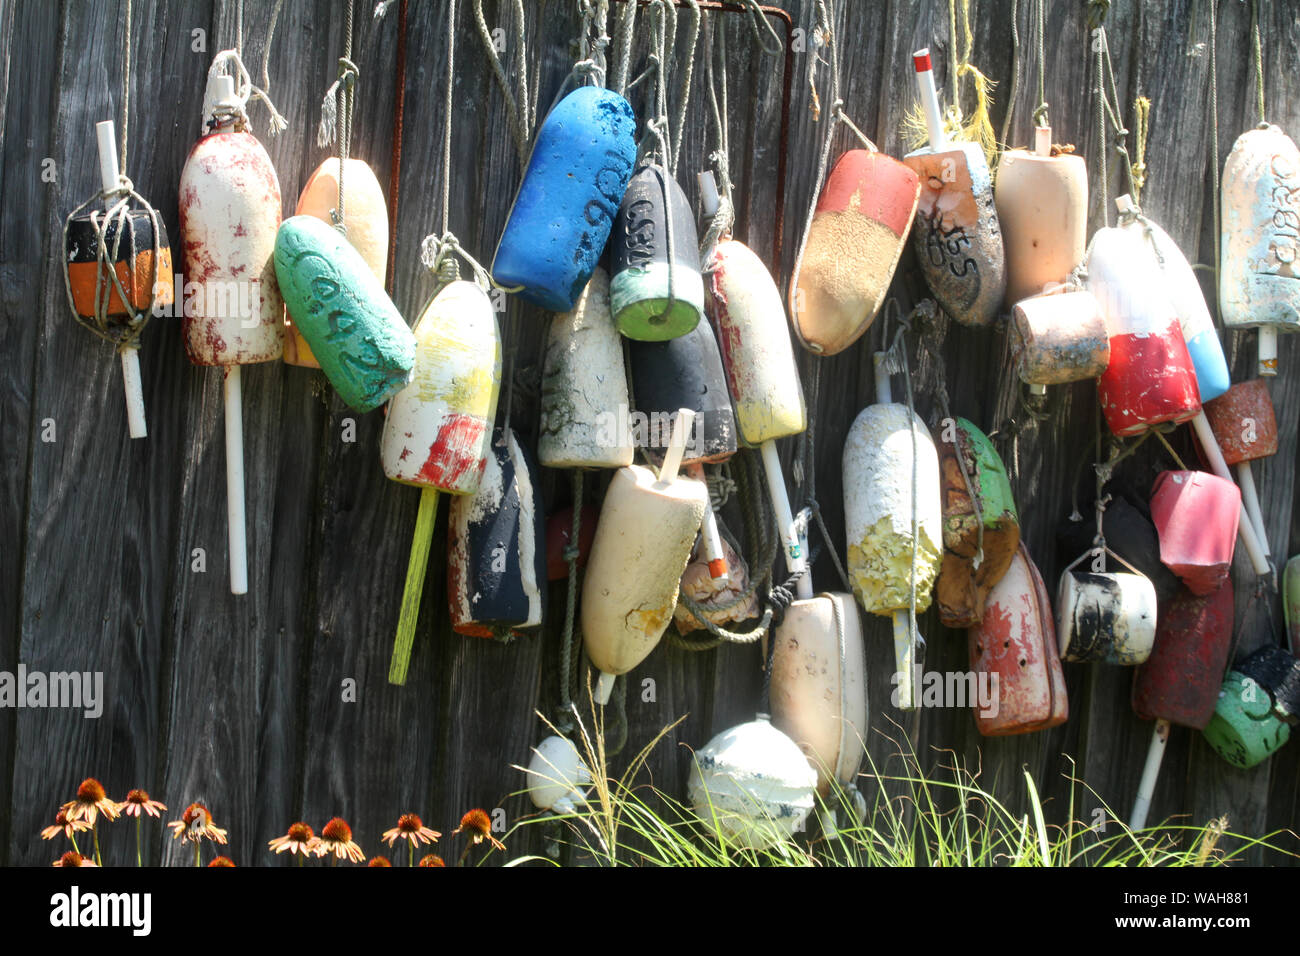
(1245, 728)
(657, 292)
(354, 330)
(561, 217)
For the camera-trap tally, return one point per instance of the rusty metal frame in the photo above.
(783, 148)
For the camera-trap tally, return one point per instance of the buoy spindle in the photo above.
(1150, 771)
(929, 99)
(235, 516)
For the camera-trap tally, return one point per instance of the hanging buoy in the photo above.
(559, 531)
(361, 341)
(557, 776)
(1105, 616)
(879, 468)
(135, 261)
(957, 238)
(761, 371)
(562, 214)
(857, 235)
(584, 421)
(1015, 644)
(752, 786)
(1196, 516)
(1179, 683)
(1259, 285)
(643, 540)
(1245, 430)
(1130, 533)
(656, 291)
(496, 547)
(229, 206)
(1042, 204)
(438, 429)
(1150, 378)
(1250, 718)
(819, 686)
(1184, 294)
(1061, 337)
(719, 596)
(973, 560)
(365, 217)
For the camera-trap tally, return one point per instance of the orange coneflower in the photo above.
(196, 825)
(379, 861)
(136, 804)
(411, 828)
(431, 860)
(68, 828)
(478, 827)
(336, 839)
(90, 802)
(73, 858)
(299, 839)
(222, 861)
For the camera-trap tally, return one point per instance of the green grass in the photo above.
(943, 816)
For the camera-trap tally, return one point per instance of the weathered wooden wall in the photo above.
(236, 701)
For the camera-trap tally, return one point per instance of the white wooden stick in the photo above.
(804, 586)
(1042, 141)
(794, 556)
(1250, 498)
(1267, 351)
(108, 177)
(904, 659)
(1147, 788)
(1245, 526)
(235, 482)
(929, 99)
(710, 537)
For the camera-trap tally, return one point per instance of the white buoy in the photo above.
(557, 777)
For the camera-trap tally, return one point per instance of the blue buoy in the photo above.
(1212, 378)
(561, 218)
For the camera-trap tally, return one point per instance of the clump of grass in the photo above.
(942, 817)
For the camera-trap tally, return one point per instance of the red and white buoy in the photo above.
(229, 204)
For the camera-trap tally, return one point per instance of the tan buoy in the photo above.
(1259, 264)
(1042, 203)
(584, 422)
(859, 228)
(1060, 337)
(819, 685)
(644, 537)
(365, 219)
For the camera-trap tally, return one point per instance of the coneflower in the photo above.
(222, 861)
(412, 829)
(379, 861)
(336, 841)
(299, 840)
(65, 826)
(431, 859)
(91, 801)
(136, 804)
(478, 827)
(73, 858)
(195, 825)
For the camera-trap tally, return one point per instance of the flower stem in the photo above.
(300, 856)
(197, 853)
(75, 849)
(99, 861)
(410, 858)
(138, 821)
(464, 853)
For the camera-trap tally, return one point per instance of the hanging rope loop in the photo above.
(236, 111)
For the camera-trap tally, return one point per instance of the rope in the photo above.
(1214, 138)
(808, 458)
(623, 36)
(724, 217)
(399, 103)
(684, 97)
(447, 111)
(1040, 111)
(1259, 59)
(518, 117)
(336, 113)
(1142, 120)
(237, 115)
(126, 85)
(1099, 34)
(1015, 73)
(1108, 108)
(564, 722)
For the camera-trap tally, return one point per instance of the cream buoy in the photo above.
(1105, 616)
(1061, 337)
(584, 419)
(1042, 203)
(438, 429)
(365, 220)
(752, 786)
(761, 372)
(643, 540)
(229, 204)
(956, 235)
(1259, 285)
(557, 777)
(878, 512)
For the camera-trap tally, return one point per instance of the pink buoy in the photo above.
(1196, 515)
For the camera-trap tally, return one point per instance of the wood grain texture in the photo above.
(245, 703)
